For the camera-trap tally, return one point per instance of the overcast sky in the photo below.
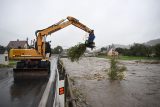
(114, 21)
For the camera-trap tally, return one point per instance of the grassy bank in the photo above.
(131, 57)
(10, 65)
(137, 58)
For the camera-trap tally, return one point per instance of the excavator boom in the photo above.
(56, 27)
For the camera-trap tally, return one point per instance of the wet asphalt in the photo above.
(19, 94)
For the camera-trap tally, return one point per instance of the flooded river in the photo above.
(140, 87)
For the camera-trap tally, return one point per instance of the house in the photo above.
(4, 57)
(18, 44)
(112, 52)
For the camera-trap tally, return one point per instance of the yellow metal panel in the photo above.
(21, 54)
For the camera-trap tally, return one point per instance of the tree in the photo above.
(157, 50)
(140, 50)
(120, 51)
(148, 51)
(57, 50)
(103, 49)
(2, 48)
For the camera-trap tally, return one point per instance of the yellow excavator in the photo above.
(34, 62)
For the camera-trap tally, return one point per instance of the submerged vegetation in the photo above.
(75, 53)
(116, 72)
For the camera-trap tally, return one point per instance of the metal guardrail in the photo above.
(49, 92)
(58, 79)
(69, 97)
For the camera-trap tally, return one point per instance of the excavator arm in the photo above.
(56, 27)
(62, 24)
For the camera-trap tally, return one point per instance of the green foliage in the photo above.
(5, 66)
(116, 72)
(103, 49)
(139, 50)
(57, 50)
(75, 53)
(10, 65)
(121, 57)
(2, 47)
(157, 50)
(123, 51)
(113, 69)
(120, 50)
(137, 58)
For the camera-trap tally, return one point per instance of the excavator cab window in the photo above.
(48, 48)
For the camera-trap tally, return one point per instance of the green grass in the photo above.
(11, 62)
(10, 65)
(137, 58)
(130, 57)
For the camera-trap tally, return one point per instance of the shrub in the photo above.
(116, 72)
(75, 53)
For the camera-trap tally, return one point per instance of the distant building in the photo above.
(112, 52)
(18, 44)
(4, 57)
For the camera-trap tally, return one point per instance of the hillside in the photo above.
(153, 42)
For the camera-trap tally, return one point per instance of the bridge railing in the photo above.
(58, 92)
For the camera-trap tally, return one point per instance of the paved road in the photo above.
(25, 94)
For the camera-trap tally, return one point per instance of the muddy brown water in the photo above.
(21, 94)
(140, 87)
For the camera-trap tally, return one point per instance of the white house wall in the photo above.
(1, 59)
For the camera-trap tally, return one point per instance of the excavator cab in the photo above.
(48, 49)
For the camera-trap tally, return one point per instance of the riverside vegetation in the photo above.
(75, 53)
(116, 72)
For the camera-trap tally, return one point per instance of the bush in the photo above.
(57, 50)
(157, 50)
(116, 72)
(75, 53)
